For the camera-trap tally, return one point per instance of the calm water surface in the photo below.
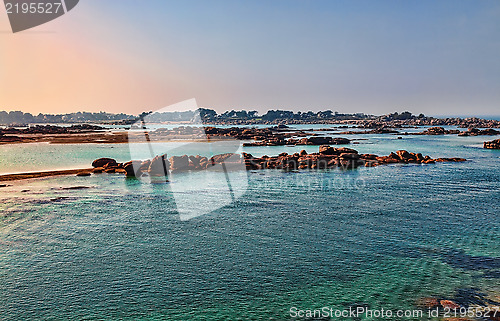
(382, 237)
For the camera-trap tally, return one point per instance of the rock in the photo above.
(318, 140)
(303, 153)
(371, 163)
(195, 160)
(98, 170)
(179, 163)
(74, 187)
(159, 166)
(204, 163)
(493, 144)
(428, 303)
(111, 165)
(478, 132)
(101, 162)
(438, 131)
(4, 185)
(454, 159)
(60, 198)
(216, 159)
(81, 174)
(345, 150)
(369, 156)
(351, 156)
(132, 168)
(110, 170)
(326, 150)
(449, 304)
(405, 156)
(145, 166)
(387, 160)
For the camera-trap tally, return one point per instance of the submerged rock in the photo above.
(428, 303)
(449, 304)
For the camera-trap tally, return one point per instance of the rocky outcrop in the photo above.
(275, 136)
(180, 163)
(330, 157)
(313, 140)
(159, 166)
(50, 129)
(132, 168)
(101, 162)
(493, 144)
(479, 132)
(327, 157)
(438, 131)
(318, 140)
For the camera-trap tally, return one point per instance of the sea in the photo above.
(106, 247)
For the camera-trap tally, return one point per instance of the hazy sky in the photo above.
(436, 57)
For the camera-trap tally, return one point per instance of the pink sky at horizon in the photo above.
(50, 70)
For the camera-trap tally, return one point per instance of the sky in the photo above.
(374, 56)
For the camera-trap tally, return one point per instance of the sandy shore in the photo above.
(15, 177)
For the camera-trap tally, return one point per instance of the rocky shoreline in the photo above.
(280, 135)
(470, 122)
(326, 158)
(76, 134)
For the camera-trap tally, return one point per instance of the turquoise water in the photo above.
(382, 237)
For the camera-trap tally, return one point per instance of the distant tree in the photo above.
(207, 114)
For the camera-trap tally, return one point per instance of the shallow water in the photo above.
(382, 237)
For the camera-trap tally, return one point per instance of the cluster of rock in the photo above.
(371, 122)
(482, 308)
(49, 129)
(471, 122)
(469, 132)
(275, 136)
(493, 144)
(240, 133)
(313, 140)
(331, 157)
(378, 130)
(438, 131)
(479, 132)
(158, 166)
(327, 157)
